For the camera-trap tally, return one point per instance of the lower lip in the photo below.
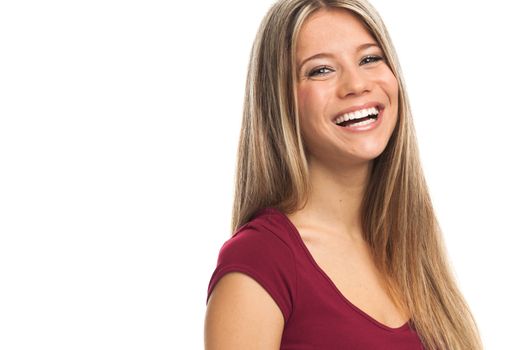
(361, 128)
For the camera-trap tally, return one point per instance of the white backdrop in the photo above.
(119, 123)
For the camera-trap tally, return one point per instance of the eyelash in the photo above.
(311, 73)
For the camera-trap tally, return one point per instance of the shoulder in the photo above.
(259, 237)
(241, 314)
(261, 252)
(251, 291)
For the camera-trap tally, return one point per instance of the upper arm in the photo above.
(242, 315)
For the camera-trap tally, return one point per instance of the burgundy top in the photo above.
(317, 315)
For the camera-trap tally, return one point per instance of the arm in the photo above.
(241, 315)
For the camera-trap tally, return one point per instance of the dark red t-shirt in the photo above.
(317, 315)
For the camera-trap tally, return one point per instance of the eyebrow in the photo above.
(325, 54)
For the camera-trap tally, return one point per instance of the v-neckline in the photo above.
(329, 280)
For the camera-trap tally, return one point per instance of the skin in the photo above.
(234, 321)
(339, 165)
(339, 161)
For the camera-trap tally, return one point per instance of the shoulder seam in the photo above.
(255, 275)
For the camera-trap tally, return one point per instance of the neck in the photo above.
(335, 200)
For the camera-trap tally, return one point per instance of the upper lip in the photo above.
(379, 105)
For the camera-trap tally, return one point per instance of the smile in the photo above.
(362, 117)
(362, 120)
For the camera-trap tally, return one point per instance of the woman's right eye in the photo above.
(321, 70)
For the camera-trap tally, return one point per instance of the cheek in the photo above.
(391, 86)
(393, 92)
(303, 97)
(394, 95)
(311, 101)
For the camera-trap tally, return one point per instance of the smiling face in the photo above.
(350, 74)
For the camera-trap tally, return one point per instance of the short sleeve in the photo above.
(266, 258)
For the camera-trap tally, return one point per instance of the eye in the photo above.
(372, 58)
(322, 70)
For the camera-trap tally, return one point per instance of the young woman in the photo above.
(335, 242)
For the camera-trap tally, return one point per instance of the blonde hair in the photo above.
(398, 219)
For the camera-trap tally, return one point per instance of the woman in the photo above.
(335, 242)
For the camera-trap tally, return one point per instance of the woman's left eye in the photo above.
(373, 58)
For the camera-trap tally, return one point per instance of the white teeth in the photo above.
(364, 122)
(357, 114)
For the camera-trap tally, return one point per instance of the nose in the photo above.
(353, 81)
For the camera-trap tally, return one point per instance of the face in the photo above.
(349, 75)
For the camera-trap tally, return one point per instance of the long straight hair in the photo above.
(399, 223)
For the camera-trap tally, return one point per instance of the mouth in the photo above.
(360, 117)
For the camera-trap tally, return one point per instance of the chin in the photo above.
(369, 150)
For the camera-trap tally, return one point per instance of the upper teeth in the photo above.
(357, 114)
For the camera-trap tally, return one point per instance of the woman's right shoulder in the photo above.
(252, 290)
(263, 256)
(266, 229)
(242, 315)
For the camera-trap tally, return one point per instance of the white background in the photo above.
(119, 123)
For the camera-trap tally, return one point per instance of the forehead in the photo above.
(331, 30)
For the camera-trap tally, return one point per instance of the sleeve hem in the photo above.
(250, 272)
